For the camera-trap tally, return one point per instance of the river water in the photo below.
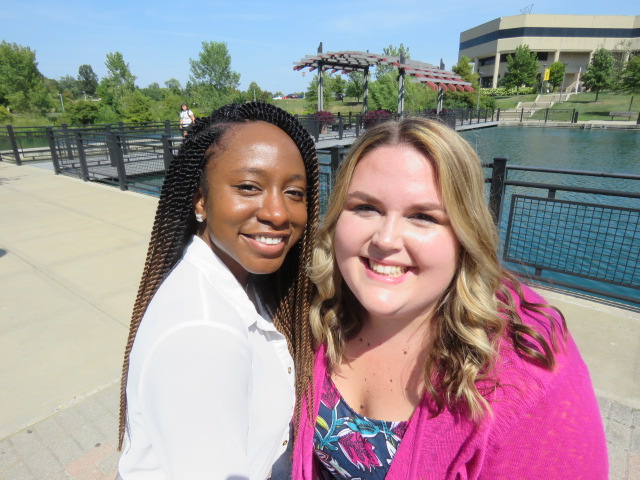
(598, 150)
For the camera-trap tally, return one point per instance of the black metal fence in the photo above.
(572, 228)
(542, 115)
(576, 229)
(31, 144)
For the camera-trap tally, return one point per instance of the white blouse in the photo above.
(210, 387)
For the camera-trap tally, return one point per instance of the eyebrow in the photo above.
(262, 171)
(365, 197)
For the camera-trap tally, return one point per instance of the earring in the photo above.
(199, 218)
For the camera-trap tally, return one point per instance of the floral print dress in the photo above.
(349, 445)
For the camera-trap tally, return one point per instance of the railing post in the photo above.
(14, 145)
(546, 115)
(358, 118)
(119, 161)
(521, 114)
(638, 120)
(498, 115)
(340, 126)
(67, 138)
(336, 157)
(84, 169)
(52, 147)
(167, 127)
(496, 189)
(167, 152)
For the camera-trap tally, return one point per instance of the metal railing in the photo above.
(572, 228)
(576, 229)
(544, 115)
(31, 144)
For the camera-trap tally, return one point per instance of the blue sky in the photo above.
(158, 38)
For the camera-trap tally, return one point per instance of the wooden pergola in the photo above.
(435, 78)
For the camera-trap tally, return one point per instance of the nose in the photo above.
(273, 209)
(388, 234)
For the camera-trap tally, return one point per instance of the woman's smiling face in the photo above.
(394, 244)
(254, 207)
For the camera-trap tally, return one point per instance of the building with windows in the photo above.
(570, 39)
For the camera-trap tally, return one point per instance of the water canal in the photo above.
(598, 150)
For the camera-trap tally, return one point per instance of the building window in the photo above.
(542, 56)
(487, 61)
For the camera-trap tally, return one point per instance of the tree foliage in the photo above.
(22, 86)
(522, 67)
(311, 96)
(598, 74)
(355, 85)
(556, 74)
(119, 81)
(392, 51)
(87, 79)
(631, 75)
(213, 67)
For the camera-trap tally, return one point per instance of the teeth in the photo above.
(268, 240)
(389, 270)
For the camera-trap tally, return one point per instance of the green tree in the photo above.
(119, 81)
(212, 82)
(254, 92)
(87, 79)
(22, 86)
(522, 67)
(383, 93)
(311, 96)
(382, 70)
(631, 75)
(136, 107)
(355, 85)
(70, 84)
(213, 67)
(338, 87)
(463, 99)
(173, 85)
(598, 74)
(80, 112)
(556, 74)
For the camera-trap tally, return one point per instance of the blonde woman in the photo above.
(433, 362)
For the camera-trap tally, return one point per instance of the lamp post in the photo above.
(564, 75)
(544, 69)
(61, 101)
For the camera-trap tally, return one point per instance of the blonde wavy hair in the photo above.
(476, 310)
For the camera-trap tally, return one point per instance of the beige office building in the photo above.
(570, 39)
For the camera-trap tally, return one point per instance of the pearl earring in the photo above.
(199, 218)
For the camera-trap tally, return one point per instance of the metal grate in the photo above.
(586, 240)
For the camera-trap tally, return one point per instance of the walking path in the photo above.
(71, 255)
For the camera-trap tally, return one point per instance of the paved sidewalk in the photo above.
(71, 254)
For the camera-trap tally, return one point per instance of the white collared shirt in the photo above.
(210, 386)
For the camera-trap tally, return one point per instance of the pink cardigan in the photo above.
(545, 425)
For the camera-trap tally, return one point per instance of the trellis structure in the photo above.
(435, 78)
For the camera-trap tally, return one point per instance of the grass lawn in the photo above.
(299, 106)
(589, 109)
(506, 103)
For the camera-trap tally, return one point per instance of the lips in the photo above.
(267, 240)
(392, 271)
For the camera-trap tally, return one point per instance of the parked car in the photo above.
(277, 97)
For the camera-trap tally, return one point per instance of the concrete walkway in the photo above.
(71, 255)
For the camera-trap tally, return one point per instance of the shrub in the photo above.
(324, 118)
(507, 92)
(375, 117)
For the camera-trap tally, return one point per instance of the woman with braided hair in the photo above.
(220, 318)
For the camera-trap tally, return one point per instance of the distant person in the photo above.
(208, 377)
(186, 119)
(433, 362)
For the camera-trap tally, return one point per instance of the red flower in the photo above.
(358, 451)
